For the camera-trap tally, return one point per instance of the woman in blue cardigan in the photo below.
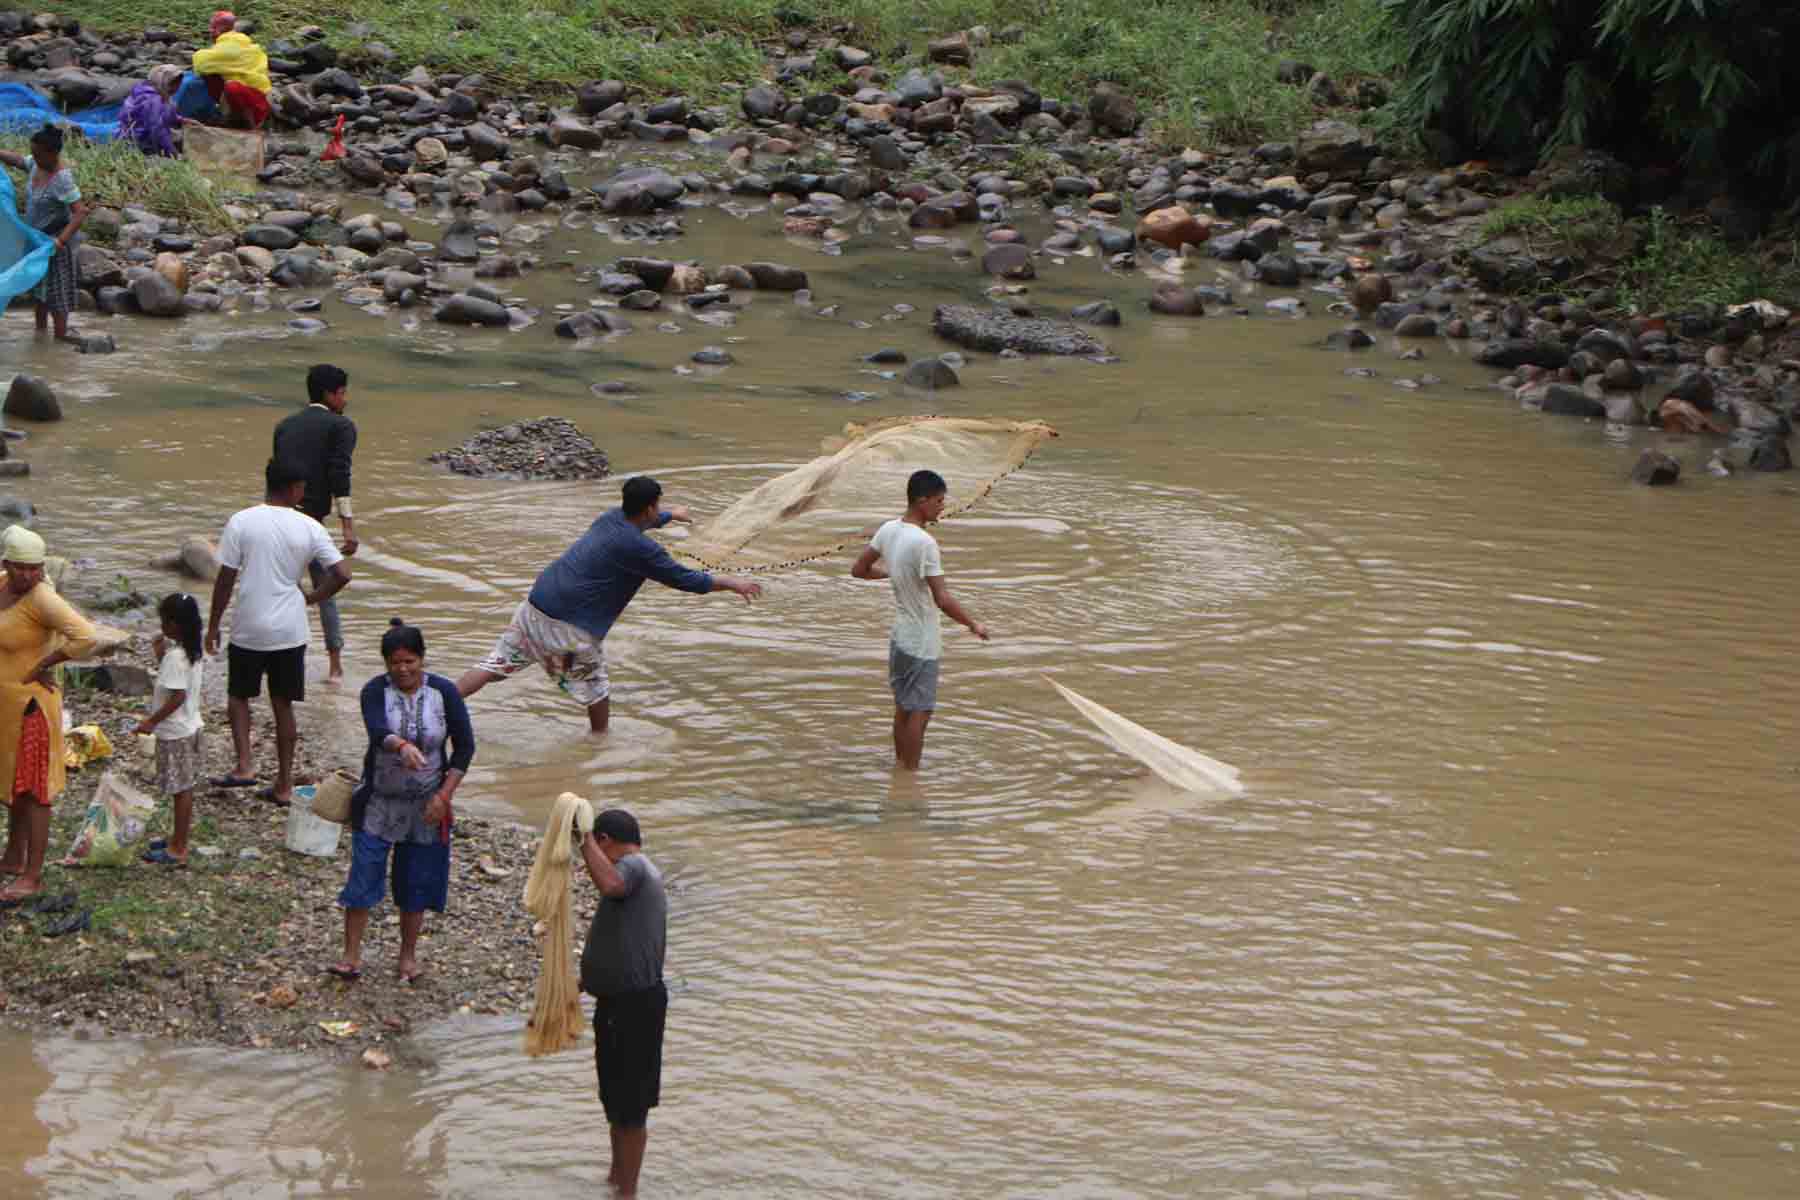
(403, 802)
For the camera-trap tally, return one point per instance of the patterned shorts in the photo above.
(571, 657)
(178, 763)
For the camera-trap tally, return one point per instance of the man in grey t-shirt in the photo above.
(621, 967)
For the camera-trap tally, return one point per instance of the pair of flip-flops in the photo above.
(158, 853)
(347, 974)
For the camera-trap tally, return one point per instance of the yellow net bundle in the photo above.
(840, 498)
(556, 1022)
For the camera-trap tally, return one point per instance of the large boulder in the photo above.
(459, 244)
(1113, 112)
(156, 296)
(1173, 227)
(992, 330)
(1656, 469)
(172, 268)
(773, 277)
(570, 131)
(1333, 147)
(1522, 352)
(464, 309)
(762, 103)
(1009, 261)
(486, 143)
(1568, 400)
(599, 96)
(32, 399)
(930, 374)
(1174, 300)
(270, 237)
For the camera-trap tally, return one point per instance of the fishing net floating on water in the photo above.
(840, 498)
(1171, 761)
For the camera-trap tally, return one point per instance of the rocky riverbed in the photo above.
(232, 949)
(1326, 218)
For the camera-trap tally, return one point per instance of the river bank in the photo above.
(830, 143)
(232, 949)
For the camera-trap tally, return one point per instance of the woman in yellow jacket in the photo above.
(38, 631)
(236, 72)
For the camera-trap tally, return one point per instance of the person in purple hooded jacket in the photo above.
(148, 116)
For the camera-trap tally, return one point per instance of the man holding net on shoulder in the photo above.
(561, 626)
(920, 593)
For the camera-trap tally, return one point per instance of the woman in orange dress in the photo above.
(38, 631)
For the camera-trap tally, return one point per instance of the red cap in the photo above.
(223, 21)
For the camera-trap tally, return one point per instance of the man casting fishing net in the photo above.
(576, 600)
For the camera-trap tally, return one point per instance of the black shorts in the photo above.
(628, 1041)
(286, 670)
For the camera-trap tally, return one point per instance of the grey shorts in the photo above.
(914, 680)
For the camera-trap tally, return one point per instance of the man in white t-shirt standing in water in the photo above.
(920, 593)
(268, 546)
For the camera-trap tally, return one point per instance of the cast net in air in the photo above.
(840, 498)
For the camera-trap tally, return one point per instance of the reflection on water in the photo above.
(1503, 913)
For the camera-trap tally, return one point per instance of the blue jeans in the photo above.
(329, 620)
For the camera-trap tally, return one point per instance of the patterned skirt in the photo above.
(31, 777)
(57, 289)
(178, 763)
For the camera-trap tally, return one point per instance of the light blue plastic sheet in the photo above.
(26, 110)
(24, 252)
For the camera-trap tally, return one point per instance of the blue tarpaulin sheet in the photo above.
(24, 252)
(26, 110)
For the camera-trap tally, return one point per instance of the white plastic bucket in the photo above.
(307, 834)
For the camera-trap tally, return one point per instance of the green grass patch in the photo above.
(1679, 267)
(1204, 71)
(117, 173)
(1578, 226)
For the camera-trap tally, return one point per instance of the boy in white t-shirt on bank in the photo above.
(263, 555)
(920, 593)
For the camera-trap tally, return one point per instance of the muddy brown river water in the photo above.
(1506, 909)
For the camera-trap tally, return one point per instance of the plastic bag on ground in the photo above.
(114, 823)
(85, 744)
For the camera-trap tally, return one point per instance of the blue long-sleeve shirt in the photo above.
(593, 581)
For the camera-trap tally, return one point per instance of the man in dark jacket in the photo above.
(321, 440)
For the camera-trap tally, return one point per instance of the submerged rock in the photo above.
(1656, 469)
(992, 330)
(32, 399)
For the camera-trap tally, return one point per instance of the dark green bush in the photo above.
(1702, 82)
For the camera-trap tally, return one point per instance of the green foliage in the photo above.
(1705, 81)
(1580, 226)
(117, 173)
(1680, 267)
(1203, 72)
